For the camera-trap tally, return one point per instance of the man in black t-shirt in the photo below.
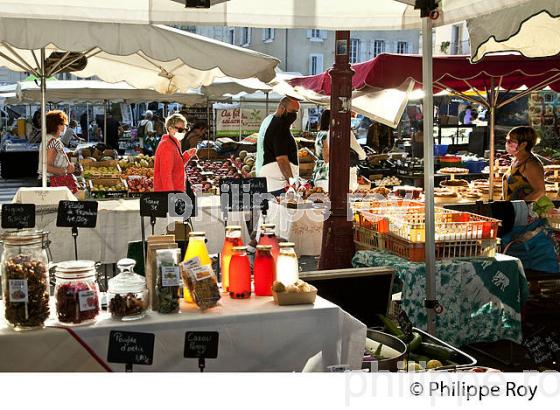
(280, 155)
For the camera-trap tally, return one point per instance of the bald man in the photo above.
(277, 158)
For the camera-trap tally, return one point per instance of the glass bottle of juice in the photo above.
(268, 237)
(264, 271)
(233, 238)
(239, 274)
(196, 247)
(287, 266)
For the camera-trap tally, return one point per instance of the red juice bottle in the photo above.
(268, 237)
(239, 274)
(233, 238)
(264, 271)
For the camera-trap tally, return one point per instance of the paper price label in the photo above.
(170, 276)
(87, 300)
(18, 290)
(203, 272)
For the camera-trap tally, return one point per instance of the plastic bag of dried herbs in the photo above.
(168, 280)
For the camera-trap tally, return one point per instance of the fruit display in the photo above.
(139, 184)
(97, 153)
(205, 175)
(305, 155)
(139, 171)
(100, 172)
(108, 188)
(137, 162)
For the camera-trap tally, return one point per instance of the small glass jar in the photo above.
(264, 271)
(25, 280)
(287, 266)
(127, 294)
(239, 274)
(76, 292)
(268, 237)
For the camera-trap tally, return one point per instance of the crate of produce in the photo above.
(104, 188)
(450, 225)
(376, 216)
(368, 239)
(138, 185)
(416, 251)
(101, 169)
(379, 206)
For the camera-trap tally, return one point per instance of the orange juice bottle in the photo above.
(196, 248)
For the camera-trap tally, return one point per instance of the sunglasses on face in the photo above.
(181, 129)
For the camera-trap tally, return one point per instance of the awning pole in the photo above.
(105, 122)
(43, 119)
(492, 125)
(430, 235)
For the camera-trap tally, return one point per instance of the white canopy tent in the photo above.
(532, 29)
(146, 56)
(364, 15)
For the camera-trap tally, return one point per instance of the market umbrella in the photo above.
(359, 15)
(532, 29)
(146, 56)
(481, 83)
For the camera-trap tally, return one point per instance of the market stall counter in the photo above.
(254, 335)
(481, 297)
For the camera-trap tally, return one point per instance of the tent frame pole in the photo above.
(431, 302)
(43, 152)
(492, 99)
(105, 122)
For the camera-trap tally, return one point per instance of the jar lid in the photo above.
(23, 237)
(240, 248)
(196, 234)
(286, 244)
(127, 281)
(268, 226)
(264, 247)
(233, 228)
(75, 269)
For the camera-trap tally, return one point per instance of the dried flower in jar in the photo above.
(26, 295)
(128, 305)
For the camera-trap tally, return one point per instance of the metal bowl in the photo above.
(390, 341)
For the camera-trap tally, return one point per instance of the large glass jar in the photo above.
(264, 271)
(232, 239)
(127, 294)
(287, 266)
(25, 280)
(76, 292)
(240, 274)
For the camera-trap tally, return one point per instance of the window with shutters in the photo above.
(268, 35)
(245, 36)
(354, 56)
(402, 47)
(378, 47)
(316, 35)
(315, 64)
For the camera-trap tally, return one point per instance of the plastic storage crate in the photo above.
(450, 226)
(415, 251)
(368, 239)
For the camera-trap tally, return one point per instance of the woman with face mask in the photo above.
(169, 162)
(525, 178)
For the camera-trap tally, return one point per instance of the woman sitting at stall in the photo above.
(525, 178)
(59, 167)
(321, 170)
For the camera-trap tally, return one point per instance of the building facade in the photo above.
(312, 51)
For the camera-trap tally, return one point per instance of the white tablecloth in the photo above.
(119, 222)
(304, 227)
(255, 336)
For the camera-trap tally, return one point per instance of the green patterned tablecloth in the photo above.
(481, 297)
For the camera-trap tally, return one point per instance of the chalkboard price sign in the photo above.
(201, 345)
(154, 204)
(131, 348)
(543, 347)
(18, 216)
(241, 194)
(77, 214)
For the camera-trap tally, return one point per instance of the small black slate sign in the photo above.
(18, 216)
(79, 214)
(131, 347)
(201, 345)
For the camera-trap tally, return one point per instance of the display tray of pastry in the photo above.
(453, 183)
(471, 194)
(453, 171)
(444, 193)
(552, 179)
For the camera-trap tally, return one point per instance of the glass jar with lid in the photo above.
(25, 280)
(268, 237)
(127, 294)
(76, 292)
(287, 266)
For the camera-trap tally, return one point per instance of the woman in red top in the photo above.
(169, 164)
